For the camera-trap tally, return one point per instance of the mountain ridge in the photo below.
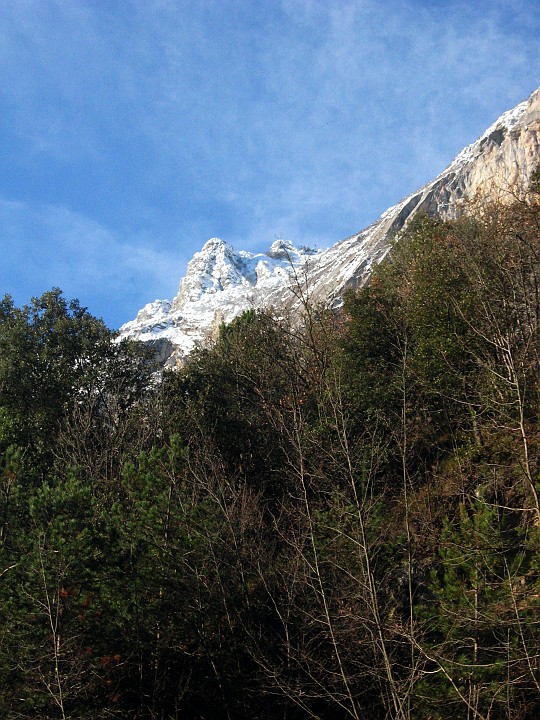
(220, 282)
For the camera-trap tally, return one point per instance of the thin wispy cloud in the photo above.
(51, 246)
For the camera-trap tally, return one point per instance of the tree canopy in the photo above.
(331, 517)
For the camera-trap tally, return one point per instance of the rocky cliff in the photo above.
(220, 283)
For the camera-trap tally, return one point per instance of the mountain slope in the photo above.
(220, 283)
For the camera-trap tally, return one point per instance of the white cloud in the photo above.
(52, 246)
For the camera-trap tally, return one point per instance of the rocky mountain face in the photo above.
(220, 282)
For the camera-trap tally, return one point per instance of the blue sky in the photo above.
(131, 131)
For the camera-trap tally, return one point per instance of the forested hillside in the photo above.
(332, 519)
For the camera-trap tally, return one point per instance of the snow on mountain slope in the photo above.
(220, 283)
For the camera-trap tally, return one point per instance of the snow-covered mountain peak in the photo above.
(282, 250)
(217, 268)
(214, 245)
(220, 282)
(211, 270)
